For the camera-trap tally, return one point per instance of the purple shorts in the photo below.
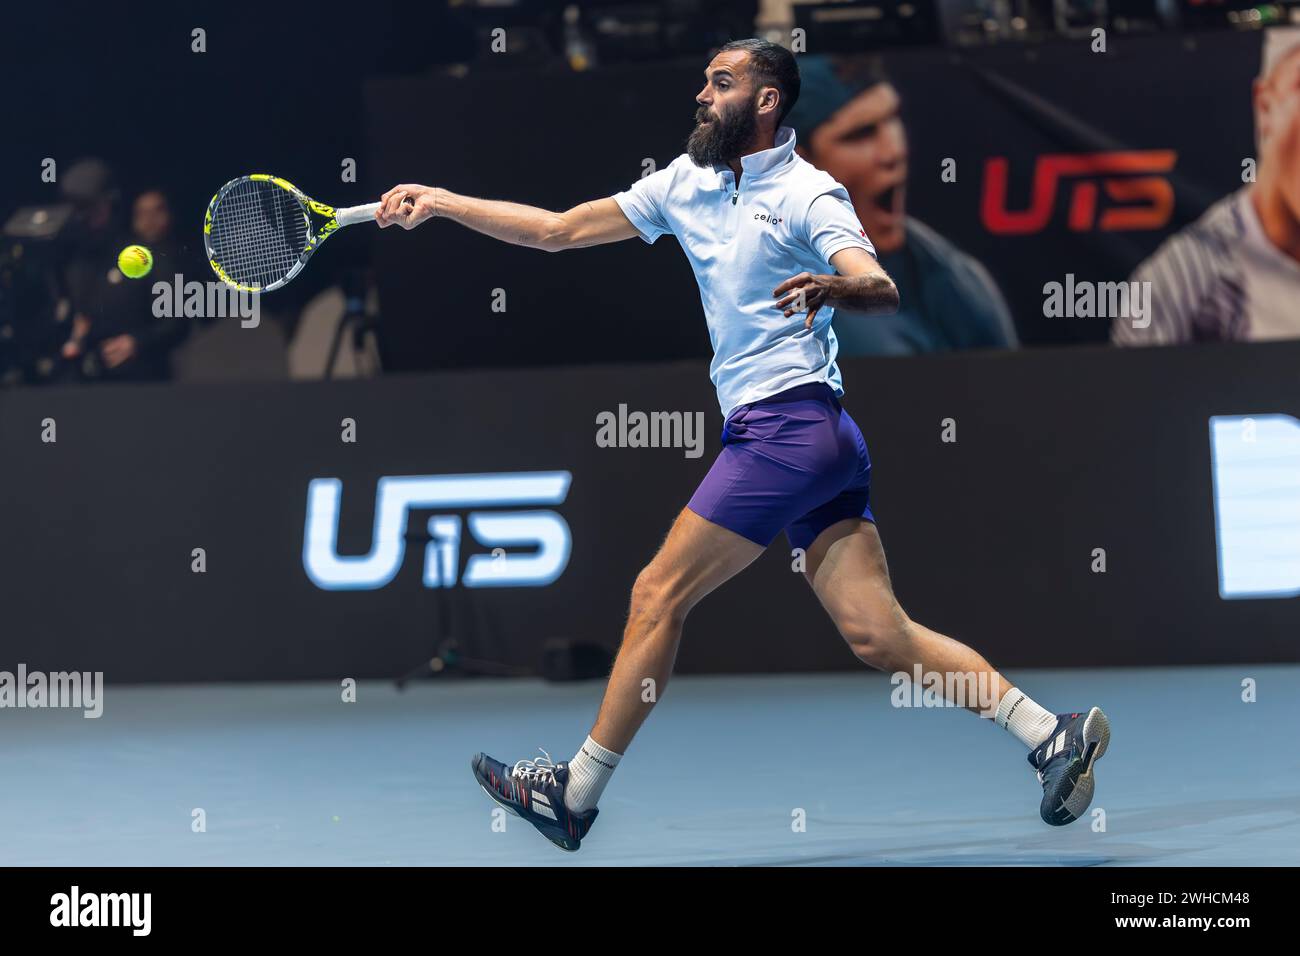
(794, 460)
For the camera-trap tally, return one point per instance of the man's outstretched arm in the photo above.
(588, 224)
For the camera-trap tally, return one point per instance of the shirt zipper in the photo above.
(731, 225)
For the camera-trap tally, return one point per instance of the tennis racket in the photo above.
(260, 230)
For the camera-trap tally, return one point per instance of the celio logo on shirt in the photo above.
(763, 217)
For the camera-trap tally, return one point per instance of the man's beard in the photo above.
(721, 140)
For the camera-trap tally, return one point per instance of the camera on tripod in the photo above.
(29, 337)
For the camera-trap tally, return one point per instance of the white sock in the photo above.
(1028, 722)
(589, 771)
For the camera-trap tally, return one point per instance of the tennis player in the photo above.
(776, 248)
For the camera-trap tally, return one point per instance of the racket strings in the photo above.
(259, 232)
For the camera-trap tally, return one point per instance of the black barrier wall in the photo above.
(991, 537)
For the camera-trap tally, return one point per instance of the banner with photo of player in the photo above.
(1019, 195)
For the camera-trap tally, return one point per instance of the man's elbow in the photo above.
(894, 300)
(556, 234)
(886, 299)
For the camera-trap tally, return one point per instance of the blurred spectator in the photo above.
(1235, 272)
(847, 123)
(115, 334)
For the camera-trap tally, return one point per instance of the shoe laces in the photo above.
(541, 768)
(1062, 758)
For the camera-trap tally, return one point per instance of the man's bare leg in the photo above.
(560, 799)
(847, 570)
(697, 557)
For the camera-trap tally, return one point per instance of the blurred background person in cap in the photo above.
(847, 122)
(1234, 274)
(114, 333)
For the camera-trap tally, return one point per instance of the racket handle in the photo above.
(352, 215)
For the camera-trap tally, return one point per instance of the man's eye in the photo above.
(862, 132)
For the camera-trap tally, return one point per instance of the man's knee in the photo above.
(877, 639)
(656, 598)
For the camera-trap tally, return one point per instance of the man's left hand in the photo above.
(803, 292)
(118, 349)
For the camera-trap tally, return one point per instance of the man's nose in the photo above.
(893, 145)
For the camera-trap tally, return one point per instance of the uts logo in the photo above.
(543, 533)
(1138, 196)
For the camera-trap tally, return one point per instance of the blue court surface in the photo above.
(287, 774)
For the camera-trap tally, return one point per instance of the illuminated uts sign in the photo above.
(1255, 460)
(542, 531)
(1138, 196)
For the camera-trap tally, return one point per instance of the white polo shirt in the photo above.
(787, 217)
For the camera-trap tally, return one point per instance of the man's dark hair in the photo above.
(774, 65)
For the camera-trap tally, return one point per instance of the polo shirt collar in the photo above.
(765, 160)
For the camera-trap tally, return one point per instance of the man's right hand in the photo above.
(80, 327)
(406, 205)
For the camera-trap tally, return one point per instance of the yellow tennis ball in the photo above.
(135, 262)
